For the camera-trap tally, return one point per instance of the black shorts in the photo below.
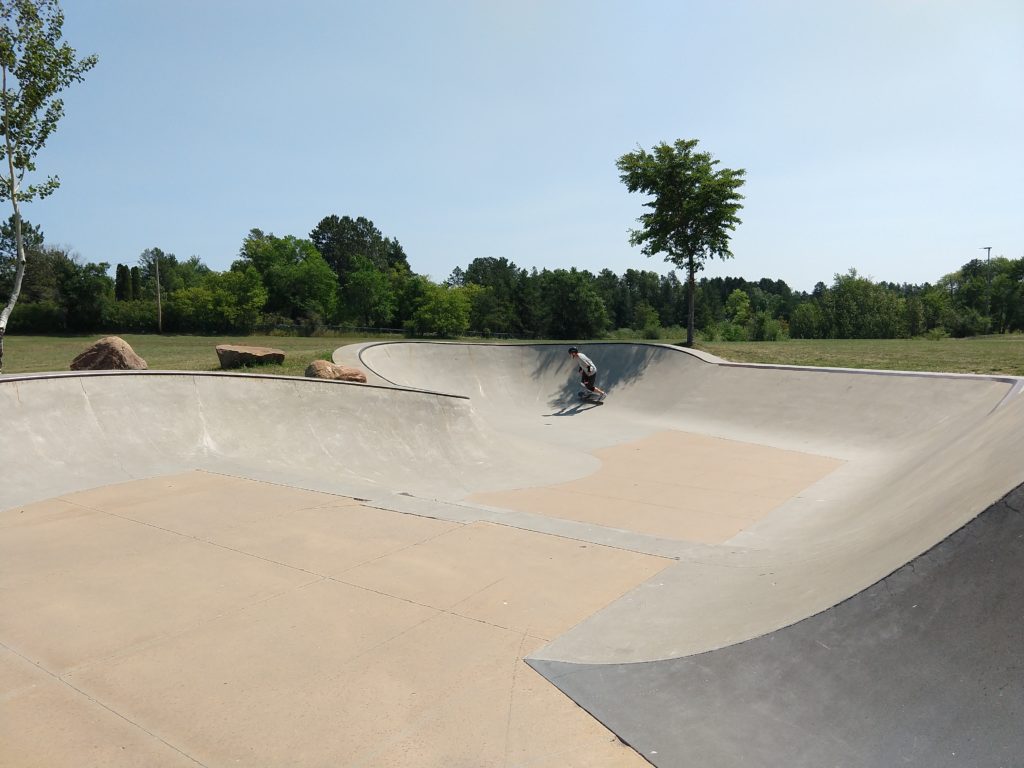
(588, 380)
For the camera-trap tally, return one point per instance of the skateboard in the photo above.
(590, 397)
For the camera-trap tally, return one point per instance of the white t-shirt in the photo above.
(586, 364)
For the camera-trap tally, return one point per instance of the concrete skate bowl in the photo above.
(823, 566)
(871, 618)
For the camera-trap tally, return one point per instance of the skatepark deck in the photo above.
(724, 564)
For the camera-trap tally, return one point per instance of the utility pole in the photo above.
(988, 278)
(159, 310)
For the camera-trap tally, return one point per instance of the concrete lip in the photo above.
(210, 569)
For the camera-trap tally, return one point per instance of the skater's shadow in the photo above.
(571, 405)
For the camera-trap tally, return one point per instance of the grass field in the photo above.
(988, 354)
(32, 354)
(982, 354)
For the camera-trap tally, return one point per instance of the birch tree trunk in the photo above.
(34, 67)
(19, 274)
(691, 269)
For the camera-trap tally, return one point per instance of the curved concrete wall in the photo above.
(923, 453)
(66, 432)
(817, 408)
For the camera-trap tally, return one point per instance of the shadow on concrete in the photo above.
(617, 364)
(575, 408)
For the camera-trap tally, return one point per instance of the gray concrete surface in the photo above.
(904, 461)
(922, 669)
(922, 454)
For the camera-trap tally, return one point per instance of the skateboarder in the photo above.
(588, 371)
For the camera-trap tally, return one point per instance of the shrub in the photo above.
(807, 322)
(136, 316)
(763, 327)
(270, 323)
(37, 317)
(708, 335)
(622, 334)
(732, 332)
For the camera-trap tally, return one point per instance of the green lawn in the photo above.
(983, 354)
(988, 354)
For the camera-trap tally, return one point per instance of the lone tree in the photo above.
(35, 66)
(693, 208)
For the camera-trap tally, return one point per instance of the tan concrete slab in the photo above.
(519, 580)
(335, 675)
(676, 485)
(45, 722)
(57, 537)
(330, 539)
(135, 493)
(670, 520)
(84, 585)
(199, 503)
(233, 646)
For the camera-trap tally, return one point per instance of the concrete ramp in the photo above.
(922, 668)
(894, 463)
(871, 618)
(804, 566)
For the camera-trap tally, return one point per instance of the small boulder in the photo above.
(109, 354)
(233, 356)
(322, 369)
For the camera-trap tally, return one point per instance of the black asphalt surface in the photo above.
(924, 669)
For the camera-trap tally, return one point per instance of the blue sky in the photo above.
(884, 135)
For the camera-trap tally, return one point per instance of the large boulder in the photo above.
(234, 356)
(109, 354)
(322, 369)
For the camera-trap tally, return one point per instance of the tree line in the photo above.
(348, 273)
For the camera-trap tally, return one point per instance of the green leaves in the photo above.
(35, 66)
(298, 279)
(342, 239)
(693, 209)
(442, 311)
(694, 206)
